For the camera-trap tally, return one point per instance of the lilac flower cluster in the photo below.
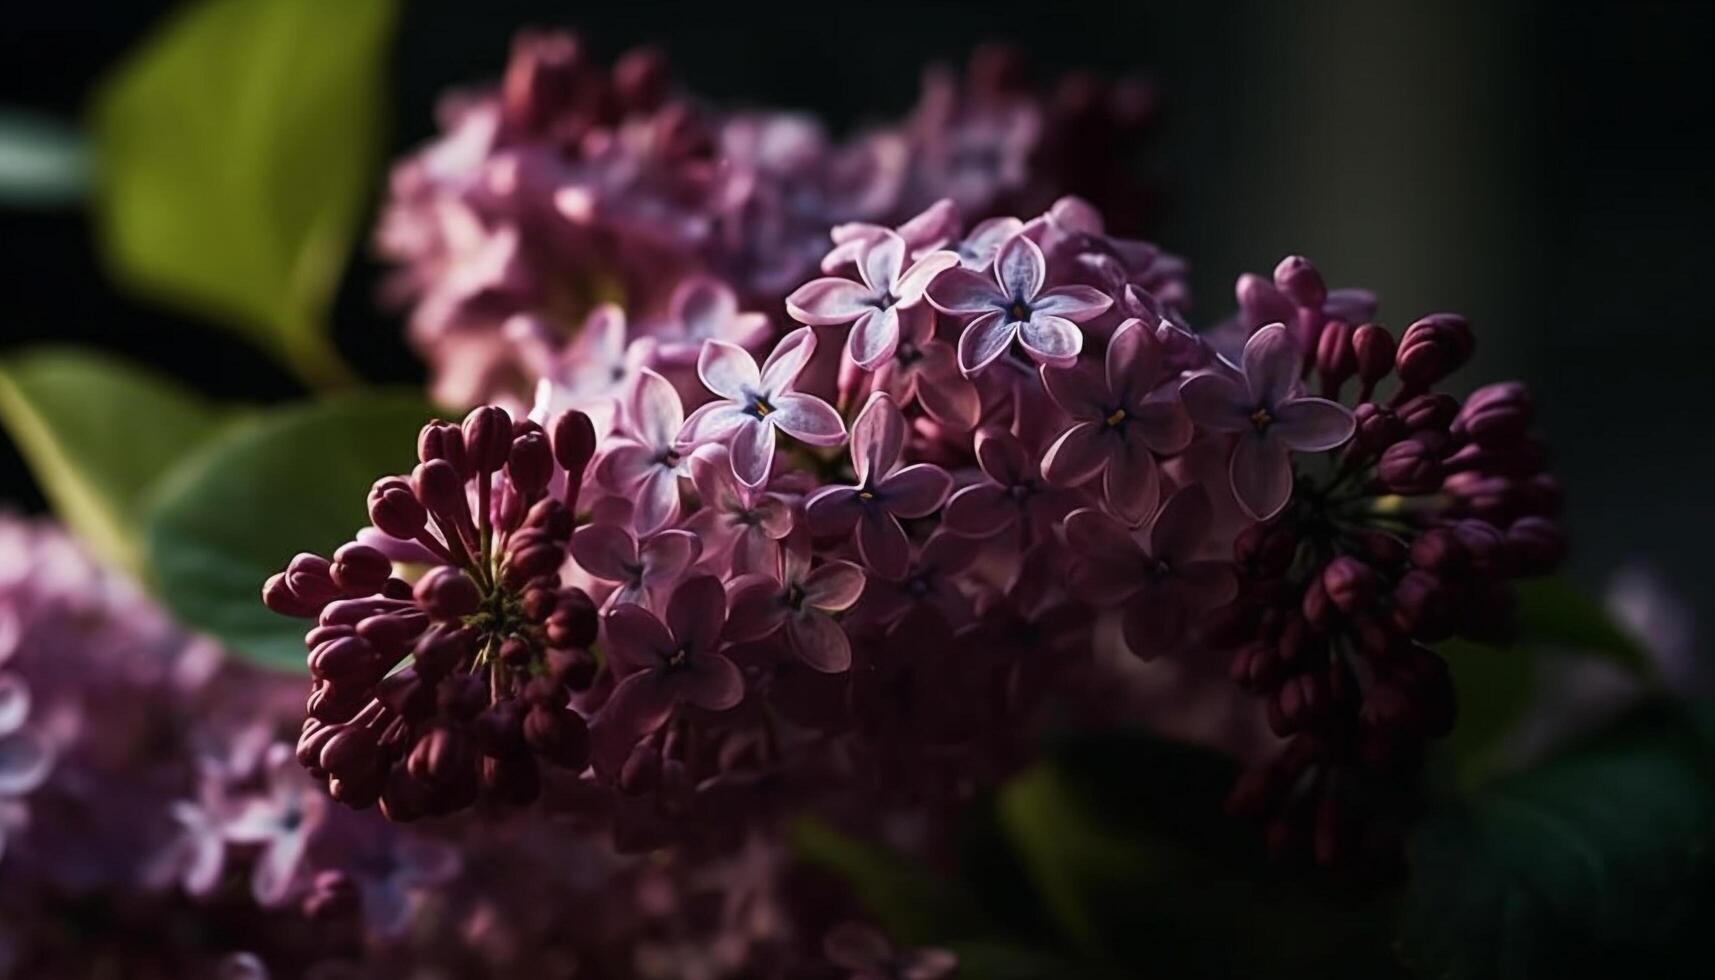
(572, 184)
(987, 452)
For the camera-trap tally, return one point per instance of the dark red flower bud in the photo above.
(321, 634)
(553, 519)
(500, 729)
(441, 489)
(310, 578)
(447, 593)
(395, 510)
(1378, 427)
(344, 658)
(331, 704)
(1433, 348)
(1535, 545)
(530, 464)
(359, 569)
(1409, 467)
(311, 737)
(1484, 545)
(391, 634)
(350, 752)
(573, 438)
(1428, 412)
(1318, 610)
(558, 735)
(443, 441)
(574, 669)
(278, 596)
(441, 756)
(1373, 348)
(461, 696)
(1335, 358)
(1439, 550)
(1496, 415)
(1351, 584)
(1419, 606)
(487, 437)
(530, 563)
(515, 651)
(572, 624)
(1300, 282)
(442, 650)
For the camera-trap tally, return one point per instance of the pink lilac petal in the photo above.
(657, 497)
(752, 449)
(713, 423)
(951, 401)
(1217, 402)
(1003, 458)
(696, 613)
(1132, 483)
(605, 551)
(666, 554)
(653, 411)
(1019, 268)
(911, 286)
(757, 609)
(915, 491)
(727, 370)
(978, 250)
(624, 463)
(1078, 390)
(1312, 424)
(980, 510)
(833, 510)
(807, 419)
(1133, 365)
(834, 586)
(634, 638)
(881, 262)
(1261, 474)
(1051, 339)
(961, 291)
(984, 340)
(1272, 363)
(878, 437)
(874, 337)
(1161, 422)
(882, 543)
(1077, 455)
(711, 682)
(1179, 530)
(1077, 303)
(787, 360)
(819, 641)
(829, 302)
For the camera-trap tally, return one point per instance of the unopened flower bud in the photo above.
(1433, 348)
(1373, 348)
(1351, 584)
(443, 441)
(573, 438)
(1535, 545)
(1335, 358)
(530, 464)
(310, 578)
(359, 569)
(1299, 281)
(278, 596)
(559, 735)
(447, 593)
(395, 510)
(1409, 467)
(1496, 415)
(487, 437)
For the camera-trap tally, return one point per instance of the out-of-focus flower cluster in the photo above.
(572, 184)
(847, 577)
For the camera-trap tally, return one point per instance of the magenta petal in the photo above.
(713, 422)
(1133, 364)
(1077, 303)
(882, 260)
(1312, 424)
(1217, 402)
(951, 401)
(1261, 475)
(807, 419)
(1019, 268)
(773, 517)
(1132, 483)
(696, 612)
(1079, 390)
(979, 248)
(605, 551)
(757, 608)
(984, 340)
(787, 360)
(916, 490)
(833, 511)
(961, 291)
(1078, 455)
(874, 337)
(1162, 423)
(819, 641)
(1181, 528)
(882, 543)
(638, 706)
(829, 302)
(657, 500)
(878, 437)
(752, 450)
(624, 464)
(634, 638)
(727, 370)
(948, 554)
(702, 304)
(711, 682)
(711, 474)
(1003, 458)
(911, 286)
(1094, 534)
(1272, 363)
(833, 586)
(1051, 339)
(980, 511)
(667, 554)
(653, 410)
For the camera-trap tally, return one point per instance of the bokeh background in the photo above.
(1543, 167)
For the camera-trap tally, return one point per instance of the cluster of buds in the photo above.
(430, 695)
(1403, 535)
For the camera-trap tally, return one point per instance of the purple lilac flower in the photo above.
(741, 528)
(643, 461)
(873, 304)
(638, 569)
(924, 370)
(1125, 415)
(753, 404)
(1014, 304)
(592, 373)
(801, 602)
(1266, 408)
(885, 491)
(1012, 493)
(705, 308)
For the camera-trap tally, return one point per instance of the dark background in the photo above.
(1543, 167)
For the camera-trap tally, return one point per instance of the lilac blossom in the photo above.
(873, 304)
(705, 308)
(802, 602)
(1126, 415)
(741, 528)
(639, 569)
(591, 374)
(1012, 492)
(924, 370)
(1266, 408)
(886, 490)
(1013, 304)
(643, 461)
(753, 404)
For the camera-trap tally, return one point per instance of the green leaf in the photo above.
(234, 154)
(911, 903)
(1493, 687)
(43, 162)
(1598, 863)
(1554, 612)
(98, 433)
(238, 510)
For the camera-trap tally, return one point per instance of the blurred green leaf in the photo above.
(234, 153)
(911, 903)
(235, 512)
(98, 433)
(1554, 612)
(1493, 687)
(1125, 839)
(1598, 863)
(43, 162)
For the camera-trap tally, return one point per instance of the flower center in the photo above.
(884, 299)
(1114, 420)
(1261, 419)
(907, 354)
(760, 407)
(1019, 310)
(678, 658)
(795, 597)
(866, 495)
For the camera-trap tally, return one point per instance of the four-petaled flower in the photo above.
(590, 374)
(1267, 408)
(872, 306)
(1013, 304)
(741, 527)
(1013, 492)
(885, 491)
(801, 601)
(705, 308)
(644, 460)
(924, 369)
(1162, 586)
(753, 404)
(664, 664)
(1126, 414)
(612, 554)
